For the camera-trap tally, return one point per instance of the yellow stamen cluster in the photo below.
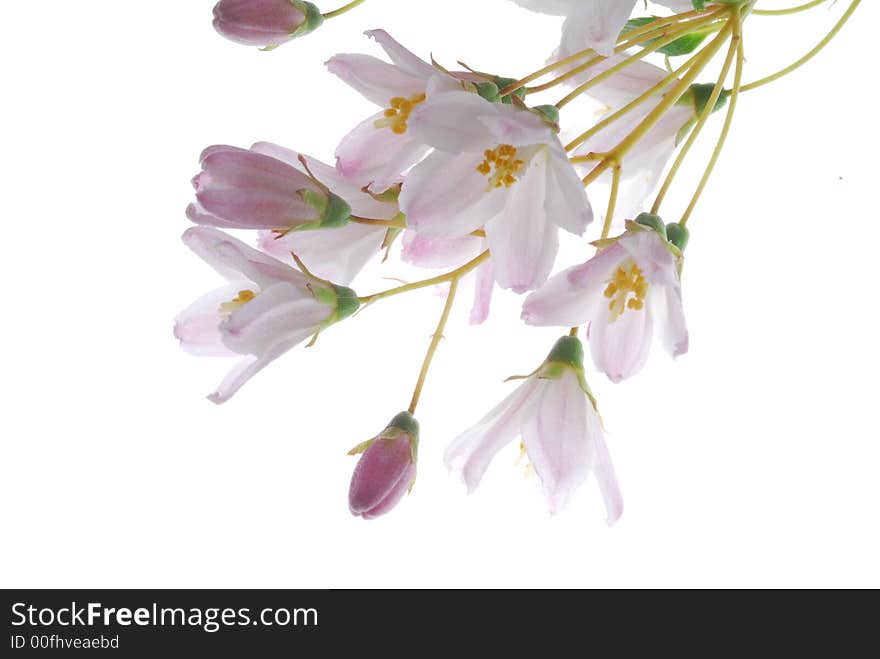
(228, 308)
(505, 164)
(397, 115)
(626, 290)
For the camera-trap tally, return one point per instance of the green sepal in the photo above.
(568, 350)
(489, 91)
(654, 222)
(347, 303)
(550, 114)
(684, 45)
(404, 423)
(567, 354)
(313, 18)
(503, 83)
(699, 96)
(362, 447)
(336, 214)
(407, 423)
(678, 235)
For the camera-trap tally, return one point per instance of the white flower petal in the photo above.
(473, 450)
(556, 439)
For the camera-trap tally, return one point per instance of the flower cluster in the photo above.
(469, 174)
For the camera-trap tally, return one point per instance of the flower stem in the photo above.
(397, 224)
(612, 202)
(728, 122)
(806, 58)
(627, 40)
(433, 281)
(435, 343)
(632, 105)
(617, 154)
(664, 39)
(790, 10)
(701, 123)
(343, 9)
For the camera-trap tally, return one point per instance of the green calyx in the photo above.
(347, 303)
(313, 18)
(337, 213)
(568, 352)
(654, 222)
(407, 423)
(678, 235)
(700, 94)
(489, 91)
(549, 113)
(333, 211)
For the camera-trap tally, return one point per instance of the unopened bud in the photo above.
(265, 23)
(386, 470)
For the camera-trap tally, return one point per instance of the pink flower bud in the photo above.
(386, 470)
(265, 23)
(242, 189)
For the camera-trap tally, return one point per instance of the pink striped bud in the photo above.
(265, 23)
(386, 470)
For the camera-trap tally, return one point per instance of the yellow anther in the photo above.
(627, 289)
(234, 305)
(398, 112)
(505, 164)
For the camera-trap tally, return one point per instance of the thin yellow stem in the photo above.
(806, 58)
(790, 10)
(664, 39)
(672, 97)
(435, 343)
(612, 202)
(698, 128)
(343, 9)
(629, 39)
(433, 281)
(728, 122)
(629, 107)
(398, 224)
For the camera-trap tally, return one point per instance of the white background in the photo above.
(752, 461)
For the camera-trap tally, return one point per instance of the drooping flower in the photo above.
(335, 253)
(554, 414)
(246, 189)
(386, 470)
(643, 166)
(630, 288)
(381, 149)
(497, 167)
(265, 23)
(266, 308)
(593, 24)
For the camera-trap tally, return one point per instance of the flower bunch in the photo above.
(467, 172)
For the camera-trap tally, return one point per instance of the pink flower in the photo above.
(246, 189)
(335, 253)
(628, 289)
(643, 166)
(554, 414)
(266, 308)
(386, 470)
(266, 23)
(500, 167)
(380, 150)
